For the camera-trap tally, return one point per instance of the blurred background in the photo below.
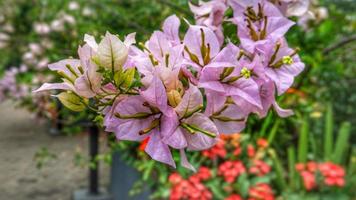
(44, 146)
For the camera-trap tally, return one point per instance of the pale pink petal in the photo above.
(171, 28)
(130, 39)
(61, 66)
(193, 41)
(184, 161)
(158, 150)
(191, 100)
(82, 87)
(54, 86)
(199, 141)
(156, 95)
(282, 112)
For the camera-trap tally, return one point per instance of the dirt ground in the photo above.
(20, 138)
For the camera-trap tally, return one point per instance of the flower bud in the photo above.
(174, 98)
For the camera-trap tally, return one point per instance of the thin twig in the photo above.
(339, 44)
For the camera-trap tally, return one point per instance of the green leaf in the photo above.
(342, 142)
(217, 191)
(328, 137)
(291, 166)
(281, 182)
(243, 184)
(72, 101)
(129, 77)
(266, 124)
(273, 132)
(303, 143)
(148, 170)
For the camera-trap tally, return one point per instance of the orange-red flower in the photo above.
(251, 151)
(143, 144)
(261, 191)
(333, 174)
(263, 143)
(259, 168)
(216, 151)
(230, 170)
(233, 197)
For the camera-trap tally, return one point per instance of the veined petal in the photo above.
(112, 52)
(130, 39)
(54, 86)
(184, 161)
(90, 40)
(156, 95)
(158, 150)
(171, 28)
(82, 87)
(62, 67)
(191, 101)
(199, 141)
(193, 41)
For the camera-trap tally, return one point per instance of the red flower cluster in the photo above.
(230, 170)
(259, 168)
(263, 143)
(216, 151)
(233, 197)
(261, 191)
(192, 188)
(251, 151)
(333, 174)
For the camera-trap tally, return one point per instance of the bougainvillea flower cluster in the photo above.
(182, 92)
(332, 174)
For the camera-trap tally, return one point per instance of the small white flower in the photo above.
(35, 48)
(8, 28)
(42, 28)
(28, 56)
(43, 63)
(23, 68)
(321, 13)
(87, 12)
(69, 19)
(3, 45)
(4, 37)
(73, 5)
(57, 25)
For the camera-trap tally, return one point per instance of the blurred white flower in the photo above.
(3, 44)
(321, 13)
(14, 70)
(46, 43)
(8, 28)
(4, 37)
(73, 5)
(69, 19)
(23, 68)
(42, 28)
(87, 11)
(28, 56)
(297, 7)
(304, 20)
(35, 48)
(57, 25)
(42, 63)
